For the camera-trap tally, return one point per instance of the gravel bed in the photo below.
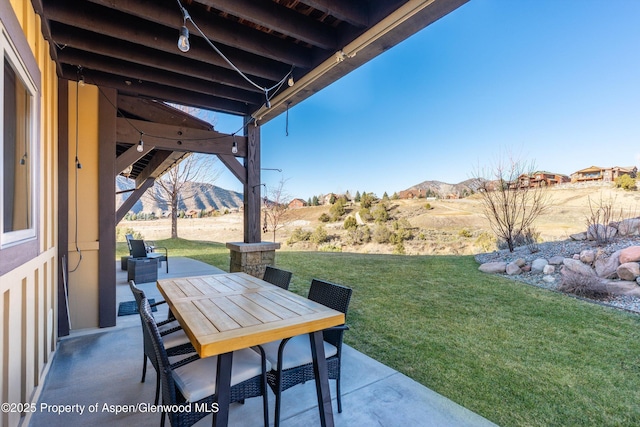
(564, 248)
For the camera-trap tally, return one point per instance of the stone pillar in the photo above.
(252, 258)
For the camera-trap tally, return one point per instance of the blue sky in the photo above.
(556, 82)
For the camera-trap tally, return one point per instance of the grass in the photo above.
(515, 354)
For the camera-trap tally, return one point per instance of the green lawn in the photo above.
(515, 354)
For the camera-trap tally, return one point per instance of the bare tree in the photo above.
(511, 201)
(275, 208)
(177, 185)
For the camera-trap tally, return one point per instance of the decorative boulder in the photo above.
(493, 267)
(619, 287)
(601, 232)
(549, 279)
(607, 267)
(630, 254)
(520, 262)
(549, 269)
(629, 271)
(556, 260)
(513, 269)
(579, 236)
(538, 265)
(578, 267)
(587, 256)
(629, 227)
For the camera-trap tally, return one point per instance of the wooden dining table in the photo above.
(221, 313)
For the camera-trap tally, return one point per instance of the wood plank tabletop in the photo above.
(226, 312)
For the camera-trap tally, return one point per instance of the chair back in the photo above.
(140, 296)
(333, 296)
(278, 277)
(138, 248)
(152, 333)
(129, 238)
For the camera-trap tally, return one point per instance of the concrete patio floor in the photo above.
(103, 366)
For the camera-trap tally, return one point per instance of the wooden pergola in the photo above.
(275, 54)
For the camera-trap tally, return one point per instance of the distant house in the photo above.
(326, 199)
(297, 203)
(597, 173)
(414, 193)
(539, 179)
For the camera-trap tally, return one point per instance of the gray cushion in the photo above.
(197, 380)
(175, 339)
(297, 352)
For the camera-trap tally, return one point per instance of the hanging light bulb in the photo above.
(127, 171)
(290, 81)
(268, 102)
(183, 40)
(23, 160)
(234, 145)
(140, 147)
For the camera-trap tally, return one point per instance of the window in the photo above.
(17, 154)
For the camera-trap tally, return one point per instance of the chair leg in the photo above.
(338, 395)
(158, 389)
(144, 367)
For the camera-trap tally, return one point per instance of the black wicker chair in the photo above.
(277, 277)
(296, 366)
(146, 249)
(194, 380)
(175, 340)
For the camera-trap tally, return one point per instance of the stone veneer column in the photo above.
(252, 258)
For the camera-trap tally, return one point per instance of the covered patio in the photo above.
(103, 367)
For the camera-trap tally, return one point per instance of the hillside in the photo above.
(447, 227)
(203, 197)
(444, 190)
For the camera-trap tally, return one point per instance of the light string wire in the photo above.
(266, 90)
(77, 162)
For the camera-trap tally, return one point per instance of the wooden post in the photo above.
(107, 208)
(252, 186)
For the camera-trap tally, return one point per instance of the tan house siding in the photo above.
(29, 271)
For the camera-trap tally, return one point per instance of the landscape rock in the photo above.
(578, 267)
(526, 268)
(587, 256)
(556, 260)
(629, 227)
(493, 267)
(601, 232)
(513, 269)
(606, 267)
(579, 236)
(520, 262)
(629, 271)
(549, 269)
(576, 257)
(538, 265)
(630, 254)
(549, 279)
(619, 287)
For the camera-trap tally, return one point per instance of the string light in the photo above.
(234, 145)
(181, 44)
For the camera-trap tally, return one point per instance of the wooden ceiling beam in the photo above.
(133, 198)
(354, 12)
(160, 92)
(103, 21)
(216, 29)
(142, 73)
(159, 112)
(122, 50)
(158, 165)
(178, 138)
(281, 19)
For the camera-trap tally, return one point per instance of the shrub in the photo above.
(486, 241)
(319, 235)
(465, 233)
(121, 232)
(359, 235)
(324, 218)
(299, 235)
(337, 210)
(380, 213)
(582, 285)
(398, 249)
(381, 234)
(626, 182)
(428, 206)
(330, 248)
(365, 214)
(366, 200)
(350, 223)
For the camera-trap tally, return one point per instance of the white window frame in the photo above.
(9, 52)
